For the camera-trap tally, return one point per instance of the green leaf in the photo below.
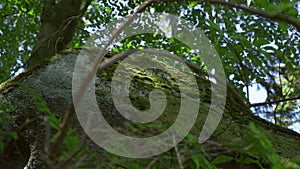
(195, 158)
(193, 3)
(222, 159)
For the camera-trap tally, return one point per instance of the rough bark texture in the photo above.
(58, 23)
(53, 82)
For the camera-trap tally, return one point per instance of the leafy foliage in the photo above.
(19, 25)
(257, 150)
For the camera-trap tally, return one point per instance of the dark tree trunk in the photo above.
(58, 24)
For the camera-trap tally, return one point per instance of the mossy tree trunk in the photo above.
(53, 82)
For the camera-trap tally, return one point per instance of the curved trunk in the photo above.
(53, 82)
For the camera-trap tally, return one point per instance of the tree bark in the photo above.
(53, 81)
(58, 23)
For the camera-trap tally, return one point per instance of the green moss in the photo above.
(231, 131)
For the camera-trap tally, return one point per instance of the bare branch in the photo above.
(275, 101)
(274, 15)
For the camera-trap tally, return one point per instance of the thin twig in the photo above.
(152, 162)
(275, 101)
(177, 153)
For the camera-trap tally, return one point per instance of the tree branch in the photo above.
(275, 101)
(274, 15)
